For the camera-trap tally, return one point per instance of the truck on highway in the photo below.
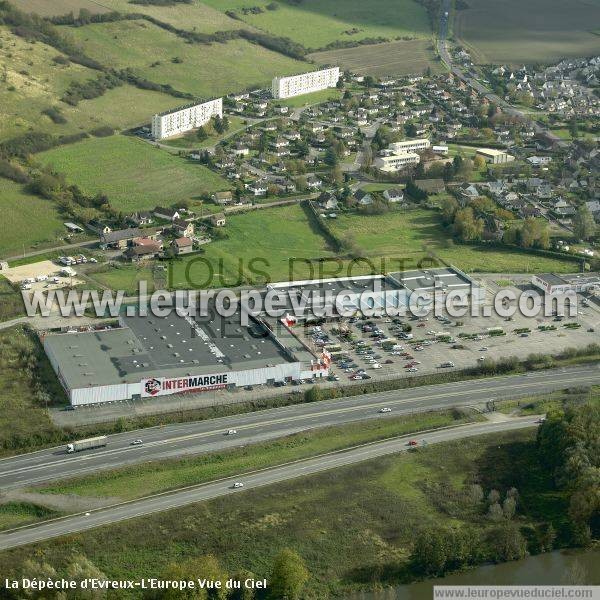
(88, 444)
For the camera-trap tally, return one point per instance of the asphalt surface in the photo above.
(178, 440)
(223, 487)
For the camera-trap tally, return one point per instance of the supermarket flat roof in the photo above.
(166, 346)
(427, 279)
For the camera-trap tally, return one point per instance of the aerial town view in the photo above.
(299, 299)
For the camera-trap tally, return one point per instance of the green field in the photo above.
(404, 238)
(11, 302)
(194, 16)
(236, 124)
(34, 83)
(133, 174)
(348, 535)
(204, 70)
(28, 222)
(23, 369)
(16, 514)
(317, 23)
(58, 7)
(537, 31)
(313, 98)
(279, 239)
(384, 60)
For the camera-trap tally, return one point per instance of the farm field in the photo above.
(134, 175)
(317, 23)
(205, 70)
(195, 16)
(381, 60)
(404, 238)
(510, 31)
(28, 222)
(45, 8)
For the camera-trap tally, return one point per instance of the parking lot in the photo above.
(384, 347)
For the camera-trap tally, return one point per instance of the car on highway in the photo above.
(412, 443)
(231, 431)
(238, 484)
(385, 410)
(137, 442)
(413, 370)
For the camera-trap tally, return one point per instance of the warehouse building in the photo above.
(305, 83)
(494, 157)
(551, 283)
(146, 357)
(180, 120)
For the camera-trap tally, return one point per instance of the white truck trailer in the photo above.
(88, 444)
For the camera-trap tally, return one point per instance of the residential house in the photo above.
(183, 228)
(313, 182)
(363, 198)
(394, 195)
(169, 214)
(182, 245)
(258, 187)
(218, 220)
(122, 237)
(328, 201)
(99, 227)
(141, 253)
(222, 198)
(141, 218)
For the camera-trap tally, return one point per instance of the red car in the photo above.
(412, 443)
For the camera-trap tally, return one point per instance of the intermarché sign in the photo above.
(202, 383)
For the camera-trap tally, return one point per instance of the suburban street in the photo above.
(509, 109)
(172, 441)
(169, 500)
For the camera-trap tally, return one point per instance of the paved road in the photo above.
(52, 249)
(206, 436)
(223, 487)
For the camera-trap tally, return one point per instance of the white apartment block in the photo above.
(296, 85)
(180, 120)
(395, 162)
(410, 146)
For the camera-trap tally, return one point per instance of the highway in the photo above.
(186, 439)
(170, 500)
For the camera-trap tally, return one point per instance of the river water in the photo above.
(553, 568)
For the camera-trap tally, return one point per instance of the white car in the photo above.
(481, 358)
(413, 370)
(231, 431)
(238, 484)
(385, 410)
(376, 366)
(137, 443)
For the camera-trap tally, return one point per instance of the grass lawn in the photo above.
(140, 480)
(123, 277)
(309, 99)
(23, 369)
(201, 69)
(28, 222)
(15, 514)
(352, 526)
(134, 174)
(510, 31)
(403, 238)
(316, 23)
(391, 59)
(273, 237)
(236, 124)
